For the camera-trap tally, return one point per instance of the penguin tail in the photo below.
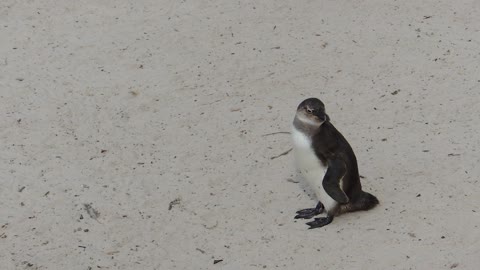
(365, 201)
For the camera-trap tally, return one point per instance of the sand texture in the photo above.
(137, 134)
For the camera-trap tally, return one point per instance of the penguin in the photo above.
(328, 164)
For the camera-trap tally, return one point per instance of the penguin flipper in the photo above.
(331, 181)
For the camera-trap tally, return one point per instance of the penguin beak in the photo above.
(323, 117)
(327, 118)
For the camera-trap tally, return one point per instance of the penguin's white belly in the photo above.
(311, 168)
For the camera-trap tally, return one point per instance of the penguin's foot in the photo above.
(320, 222)
(310, 212)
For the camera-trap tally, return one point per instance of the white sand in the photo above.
(179, 94)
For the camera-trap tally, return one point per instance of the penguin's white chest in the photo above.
(311, 167)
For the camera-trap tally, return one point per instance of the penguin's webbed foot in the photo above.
(307, 213)
(320, 222)
(310, 212)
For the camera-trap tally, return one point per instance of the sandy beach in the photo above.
(152, 134)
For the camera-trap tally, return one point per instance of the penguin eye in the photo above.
(309, 110)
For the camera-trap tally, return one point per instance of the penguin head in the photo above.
(312, 111)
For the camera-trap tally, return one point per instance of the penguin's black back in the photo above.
(329, 143)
